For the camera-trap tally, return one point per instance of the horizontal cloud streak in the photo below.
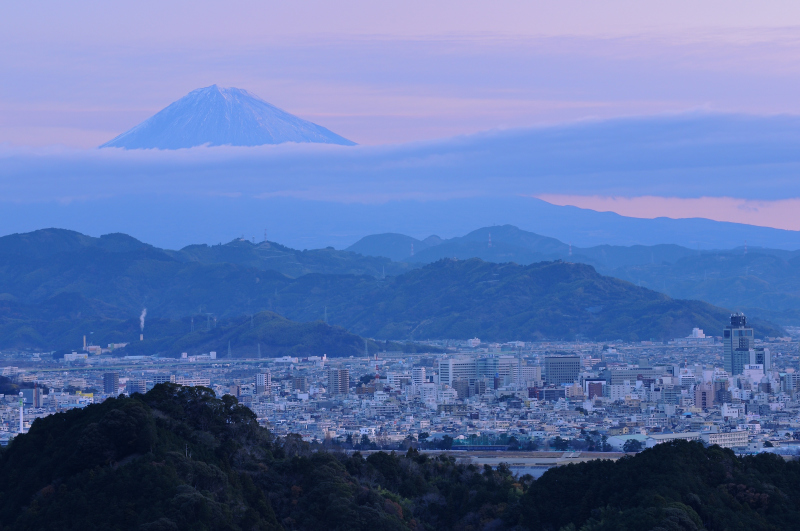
(693, 155)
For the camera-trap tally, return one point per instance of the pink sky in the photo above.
(78, 73)
(782, 214)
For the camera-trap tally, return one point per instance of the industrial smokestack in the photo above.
(141, 324)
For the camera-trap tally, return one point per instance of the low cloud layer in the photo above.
(316, 195)
(695, 155)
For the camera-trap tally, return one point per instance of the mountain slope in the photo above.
(459, 299)
(247, 335)
(292, 262)
(222, 116)
(761, 282)
(507, 243)
(446, 299)
(48, 243)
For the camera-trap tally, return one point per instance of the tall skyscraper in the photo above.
(338, 382)
(737, 340)
(111, 383)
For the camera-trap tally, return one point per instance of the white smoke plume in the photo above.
(141, 319)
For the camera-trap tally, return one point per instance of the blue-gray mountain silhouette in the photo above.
(222, 116)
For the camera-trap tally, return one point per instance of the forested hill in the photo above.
(446, 299)
(61, 244)
(466, 298)
(178, 458)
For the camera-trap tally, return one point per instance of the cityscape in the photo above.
(399, 266)
(737, 392)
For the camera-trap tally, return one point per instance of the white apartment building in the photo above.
(732, 439)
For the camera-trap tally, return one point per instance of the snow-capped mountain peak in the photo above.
(222, 116)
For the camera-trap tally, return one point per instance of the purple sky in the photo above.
(79, 73)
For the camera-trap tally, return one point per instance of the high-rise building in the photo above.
(163, 378)
(704, 395)
(32, 397)
(338, 382)
(561, 369)
(462, 387)
(528, 373)
(136, 386)
(418, 375)
(454, 368)
(263, 383)
(300, 384)
(504, 367)
(111, 383)
(737, 340)
(761, 356)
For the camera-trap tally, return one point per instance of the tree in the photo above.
(632, 445)
(532, 445)
(364, 441)
(560, 444)
(768, 444)
(446, 443)
(604, 446)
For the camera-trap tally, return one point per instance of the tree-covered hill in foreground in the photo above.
(180, 458)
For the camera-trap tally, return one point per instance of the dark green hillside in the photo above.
(273, 334)
(762, 282)
(503, 301)
(60, 244)
(758, 283)
(446, 299)
(178, 458)
(291, 262)
(246, 335)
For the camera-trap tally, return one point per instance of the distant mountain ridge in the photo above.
(117, 276)
(222, 116)
(507, 243)
(761, 282)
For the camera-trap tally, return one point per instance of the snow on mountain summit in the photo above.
(222, 116)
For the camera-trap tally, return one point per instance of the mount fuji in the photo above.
(222, 116)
